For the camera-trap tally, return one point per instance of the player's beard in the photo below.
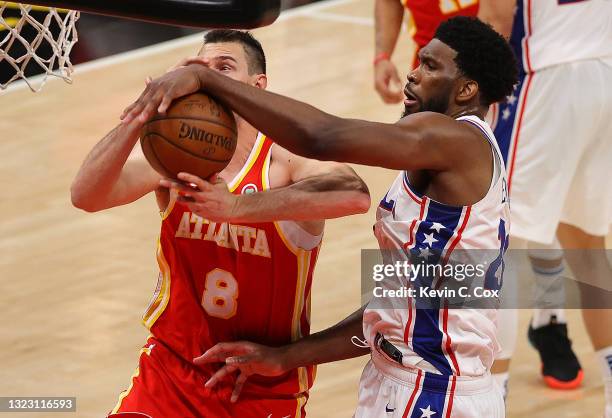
(438, 104)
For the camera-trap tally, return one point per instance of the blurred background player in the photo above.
(452, 190)
(554, 131)
(426, 16)
(227, 270)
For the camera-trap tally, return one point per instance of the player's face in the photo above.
(229, 58)
(431, 85)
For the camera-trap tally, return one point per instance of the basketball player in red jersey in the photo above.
(241, 271)
(426, 16)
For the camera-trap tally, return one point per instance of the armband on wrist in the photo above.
(383, 56)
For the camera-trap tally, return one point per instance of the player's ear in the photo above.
(260, 81)
(468, 89)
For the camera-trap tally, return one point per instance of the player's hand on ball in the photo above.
(160, 92)
(188, 61)
(210, 200)
(244, 357)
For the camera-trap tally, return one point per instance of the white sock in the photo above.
(605, 358)
(549, 295)
(502, 381)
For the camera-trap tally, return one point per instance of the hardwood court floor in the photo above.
(74, 285)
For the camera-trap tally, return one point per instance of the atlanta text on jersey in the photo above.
(241, 238)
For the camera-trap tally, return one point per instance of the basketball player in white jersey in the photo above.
(554, 131)
(450, 196)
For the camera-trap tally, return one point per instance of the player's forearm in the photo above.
(101, 168)
(320, 197)
(388, 16)
(309, 132)
(291, 123)
(332, 344)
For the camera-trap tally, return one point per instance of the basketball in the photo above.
(197, 135)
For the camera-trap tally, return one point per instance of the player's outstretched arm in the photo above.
(114, 172)
(320, 190)
(332, 344)
(421, 141)
(388, 16)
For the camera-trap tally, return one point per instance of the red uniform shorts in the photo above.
(166, 386)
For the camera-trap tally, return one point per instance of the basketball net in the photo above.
(38, 44)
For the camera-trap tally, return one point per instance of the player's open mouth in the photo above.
(410, 99)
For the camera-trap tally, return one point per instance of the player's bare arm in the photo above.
(331, 190)
(247, 358)
(303, 190)
(114, 172)
(499, 14)
(388, 16)
(424, 141)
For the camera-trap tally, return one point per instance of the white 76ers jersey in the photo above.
(455, 341)
(552, 32)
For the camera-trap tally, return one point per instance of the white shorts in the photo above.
(556, 135)
(387, 390)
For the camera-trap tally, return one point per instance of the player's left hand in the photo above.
(244, 357)
(210, 200)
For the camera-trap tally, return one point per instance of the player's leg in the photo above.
(507, 323)
(548, 268)
(587, 214)
(587, 258)
(538, 188)
(507, 319)
(547, 331)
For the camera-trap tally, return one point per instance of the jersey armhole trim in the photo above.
(295, 238)
(171, 201)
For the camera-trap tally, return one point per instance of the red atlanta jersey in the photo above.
(227, 282)
(428, 14)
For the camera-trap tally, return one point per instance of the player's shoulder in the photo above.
(437, 124)
(286, 164)
(458, 138)
(283, 157)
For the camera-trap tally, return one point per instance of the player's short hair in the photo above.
(483, 55)
(254, 52)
